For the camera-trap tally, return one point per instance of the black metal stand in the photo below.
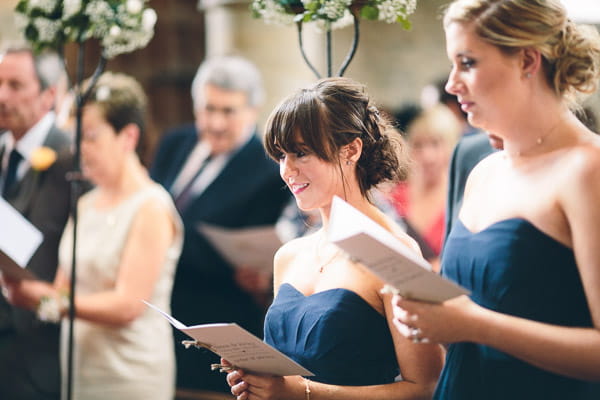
(349, 56)
(76, 179)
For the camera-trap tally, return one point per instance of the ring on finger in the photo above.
(414, 335)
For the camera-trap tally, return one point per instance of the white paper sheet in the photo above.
(239, 347)
(249, 247)
(386, 256)
(19, 239)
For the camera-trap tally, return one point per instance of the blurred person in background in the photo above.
(35, 156)
(421, 200)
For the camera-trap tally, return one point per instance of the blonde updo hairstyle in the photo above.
(329, 115)
(570, 52)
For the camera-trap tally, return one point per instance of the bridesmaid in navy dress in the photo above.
(329, 313)
(526, 240)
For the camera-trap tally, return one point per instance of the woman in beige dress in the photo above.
(128, 242)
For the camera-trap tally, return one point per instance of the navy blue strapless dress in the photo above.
(513, 268)
(335, 334)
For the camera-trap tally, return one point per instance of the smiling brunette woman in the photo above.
(329, 313)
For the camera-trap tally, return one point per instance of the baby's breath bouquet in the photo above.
(121, 26)
(333, 13)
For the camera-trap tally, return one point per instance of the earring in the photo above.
(527, 75)
(348, 162)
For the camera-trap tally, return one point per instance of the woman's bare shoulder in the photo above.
(290, 250)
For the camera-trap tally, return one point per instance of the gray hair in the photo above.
(49, 66)
(229, 73)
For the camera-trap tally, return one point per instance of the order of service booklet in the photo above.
(19, 239)
(252, 247)
(386, 256)
(239, 347)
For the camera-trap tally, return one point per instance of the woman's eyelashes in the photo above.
(466, 63)
(296, 154)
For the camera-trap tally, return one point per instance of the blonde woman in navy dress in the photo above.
(526, 240)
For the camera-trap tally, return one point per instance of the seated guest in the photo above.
(329, 314)
(129, 238)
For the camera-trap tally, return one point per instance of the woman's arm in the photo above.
(151, 234)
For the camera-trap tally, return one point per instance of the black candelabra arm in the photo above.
(81, 96)
(349, 56)
(304, 56)
(353, 47)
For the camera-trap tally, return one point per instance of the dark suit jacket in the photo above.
(247, 192)
(468, 152)
(28, 347)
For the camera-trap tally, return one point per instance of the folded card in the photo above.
(19, 240)
(252, 247)
(239, 347)
(409, 274)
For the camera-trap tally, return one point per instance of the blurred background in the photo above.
(394, 63)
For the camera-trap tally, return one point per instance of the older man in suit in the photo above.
(29, 364)
(218, 173)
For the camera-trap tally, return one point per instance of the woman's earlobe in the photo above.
(532, 59)
(352, 151)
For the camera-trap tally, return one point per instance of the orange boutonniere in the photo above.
(42, 158)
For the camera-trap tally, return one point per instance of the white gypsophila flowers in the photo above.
(273, 13)
(126, 19)
(100, 16)
(100, 13)
(333, 14)
(124, 43)
(46, 6)
(134, 6)
(114, 30)
(390, 9)
(149, 19)
(70, 8)
(46, 28)
(120, 25)
(335, 9)
(324, 25)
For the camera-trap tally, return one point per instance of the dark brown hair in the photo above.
(122, 101)
(329, 115)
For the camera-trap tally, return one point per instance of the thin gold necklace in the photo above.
(322, 265)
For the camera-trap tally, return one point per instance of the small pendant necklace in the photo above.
(322, 265)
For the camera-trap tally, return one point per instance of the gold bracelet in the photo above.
(306, 389)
